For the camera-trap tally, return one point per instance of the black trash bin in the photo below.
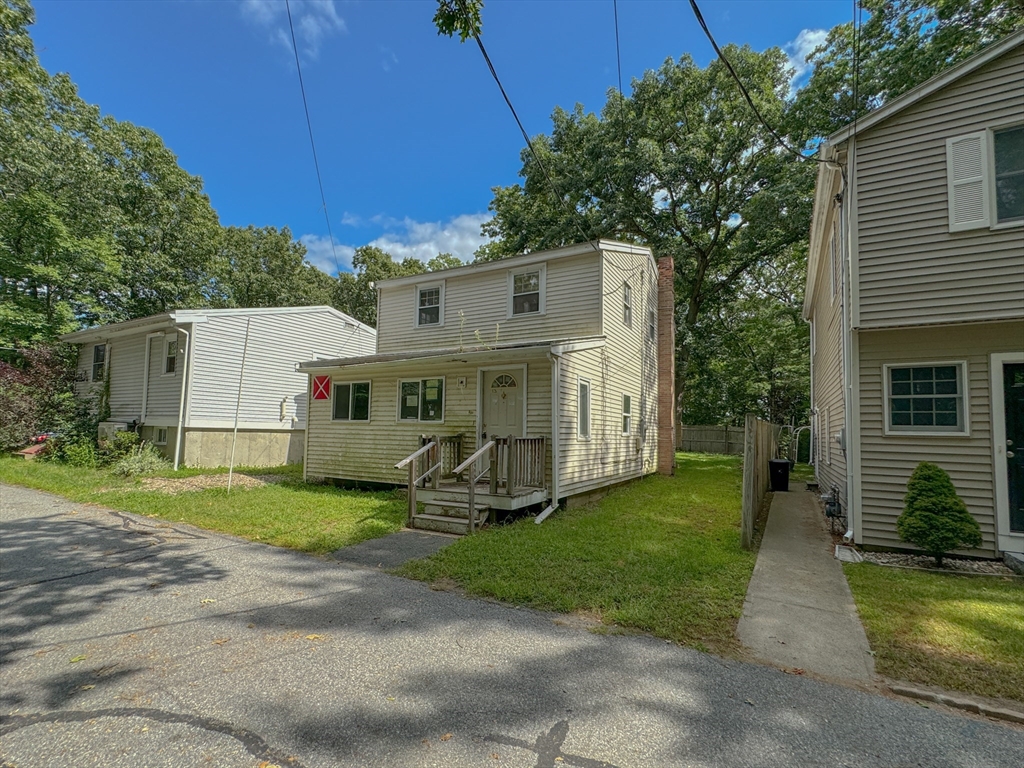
(778, 470)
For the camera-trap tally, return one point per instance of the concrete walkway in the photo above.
(394, 549)
(799, 612)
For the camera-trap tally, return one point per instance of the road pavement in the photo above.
(129, 642)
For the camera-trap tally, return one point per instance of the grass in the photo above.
(661, 555)
(310, 518)
(962, 633)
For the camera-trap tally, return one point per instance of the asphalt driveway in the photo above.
(127, 642)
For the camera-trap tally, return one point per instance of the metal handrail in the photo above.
(472, 459)
(415, 455)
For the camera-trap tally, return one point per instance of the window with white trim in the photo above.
(627, 304)
(652, 325)
(925, 398)
(627, 414)
(421, 400)
(99, 361)
(985, 179)
(171, 357)
(429, 304)
(351, 401)
(583, 409)
(161, 436)
(526, 292)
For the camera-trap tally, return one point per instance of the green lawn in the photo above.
(310, 518)
(660, 555)
(963, 633)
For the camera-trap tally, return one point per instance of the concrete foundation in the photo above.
(212, 447)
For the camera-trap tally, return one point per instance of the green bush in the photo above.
(141, 460)
(79, 453)
(934, 517)
(120, 446)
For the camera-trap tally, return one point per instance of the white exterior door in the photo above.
(503, 398)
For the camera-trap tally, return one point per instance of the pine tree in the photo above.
(934, 517)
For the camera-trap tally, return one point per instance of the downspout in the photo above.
(181, 400)
(555, 401)
(846, 270)
(814, 410)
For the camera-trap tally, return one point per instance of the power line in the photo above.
(574, 214)
(618, 54)
(312, 144)
(782, 142)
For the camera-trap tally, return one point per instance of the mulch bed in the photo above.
(203, 482)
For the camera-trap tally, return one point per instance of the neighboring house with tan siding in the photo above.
(551, 356)
(915, 295)
(179, 372)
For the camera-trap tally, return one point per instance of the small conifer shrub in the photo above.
(934, 517)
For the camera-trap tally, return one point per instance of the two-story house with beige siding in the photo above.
(544, 364)
(915, 295)
(206, 385)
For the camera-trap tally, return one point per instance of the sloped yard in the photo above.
(661, 555)
(272, 505)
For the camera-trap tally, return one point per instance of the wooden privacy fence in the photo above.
(710, 438)
(760, 444)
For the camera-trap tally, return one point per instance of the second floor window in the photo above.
(627, 304)
(428, 311)
(652, 325)
(99, 360)
(1009, 167)
(526, 293)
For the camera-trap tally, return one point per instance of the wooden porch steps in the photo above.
(449, 518)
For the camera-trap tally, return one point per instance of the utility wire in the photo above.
(746, 95)
(574, 214)
(312, 144)
(618, 54)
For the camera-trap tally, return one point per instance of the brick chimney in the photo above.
(666, 366)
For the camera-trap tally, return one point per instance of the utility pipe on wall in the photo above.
(181, 400)
(238, 403)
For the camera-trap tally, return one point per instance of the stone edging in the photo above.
(967, 704)
(945, 571)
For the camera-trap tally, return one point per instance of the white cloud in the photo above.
(403, 238)
(798, 50)
(388, 59)
(320, 254)
(315, 20)
(423, 240)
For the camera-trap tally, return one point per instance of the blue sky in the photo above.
(411, 131)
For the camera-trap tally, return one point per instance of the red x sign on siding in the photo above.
(321, 387)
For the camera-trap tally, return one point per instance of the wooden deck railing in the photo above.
(518, 462)
(448, 454)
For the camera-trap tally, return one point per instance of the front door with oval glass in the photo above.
(502, 399)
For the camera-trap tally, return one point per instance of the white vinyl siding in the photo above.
(911, 269)
(477, 309)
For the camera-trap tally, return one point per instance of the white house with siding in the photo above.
(547, 364)
(175, 378)
(915, 295)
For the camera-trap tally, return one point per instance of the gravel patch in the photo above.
(202, 482)
(949, 564)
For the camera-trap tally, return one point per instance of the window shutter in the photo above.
(966, 170)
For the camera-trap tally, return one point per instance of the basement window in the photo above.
(161, 436)
(421, 400)
(352, 401)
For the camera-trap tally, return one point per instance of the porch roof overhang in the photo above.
(477, 354)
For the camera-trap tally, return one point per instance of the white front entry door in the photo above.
(503, 397)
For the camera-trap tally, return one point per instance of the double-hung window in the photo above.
(627, 414)
(429, 304)
(171, 358)
(985, 179)
(925, 398)
(583, 410)
(526, 292)
(652, 325)
(99, 361)
(421, 400)
(627, 304)
(352, 401)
